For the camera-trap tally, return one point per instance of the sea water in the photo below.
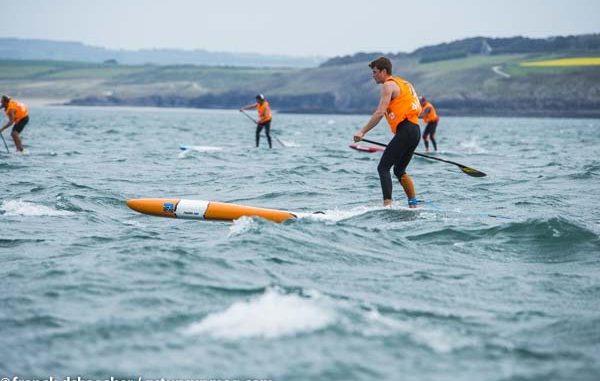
(494, 278)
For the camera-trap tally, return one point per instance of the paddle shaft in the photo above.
(249, 117)
(415, 153)
(468, 170)
(5, 145)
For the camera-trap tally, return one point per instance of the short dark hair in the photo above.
(4, 101)
(382, 63)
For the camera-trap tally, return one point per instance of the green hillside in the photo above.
(478, 84)
(70, 80)
(474, 85)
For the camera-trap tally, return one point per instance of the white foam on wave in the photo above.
(186, 150)
(289, 144)
(183, 154)
(241, 225)
(271, 315)
(204, 148)
(24, 208)
(472, 146)
(136, 224)
(439, 339)
(335, 215)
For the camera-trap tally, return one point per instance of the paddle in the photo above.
(5, 145)
(256, 122)
(468, 170)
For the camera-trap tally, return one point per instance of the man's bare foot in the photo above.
(387, 203)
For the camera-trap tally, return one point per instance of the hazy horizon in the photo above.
(312, 28)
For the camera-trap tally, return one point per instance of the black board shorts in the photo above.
(430, 129)
(21, 125)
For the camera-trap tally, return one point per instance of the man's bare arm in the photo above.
(384, 101)
(11, 120)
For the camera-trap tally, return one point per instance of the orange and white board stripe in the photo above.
(203, 210)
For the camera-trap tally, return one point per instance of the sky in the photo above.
(324, 28)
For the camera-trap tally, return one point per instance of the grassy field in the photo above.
(471, 62)
(46, 79)
(564, 62)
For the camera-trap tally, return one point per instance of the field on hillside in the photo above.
(48, 79)
(568, 62)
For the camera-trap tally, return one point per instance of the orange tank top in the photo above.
(264, 112)
(432, 116)
(19, 108)
(405, 106)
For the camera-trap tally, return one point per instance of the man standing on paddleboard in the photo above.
(17, 114)
(431, 118)
(264, 117)
(400, 105)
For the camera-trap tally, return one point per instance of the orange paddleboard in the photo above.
(203, 210)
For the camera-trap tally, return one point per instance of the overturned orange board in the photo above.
(204, 210)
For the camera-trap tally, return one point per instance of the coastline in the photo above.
(489, 110)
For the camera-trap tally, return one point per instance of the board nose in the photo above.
(154, 206)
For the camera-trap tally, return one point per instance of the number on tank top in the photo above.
(415, 103)
(412, 90)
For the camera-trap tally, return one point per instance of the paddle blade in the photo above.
(472, 171)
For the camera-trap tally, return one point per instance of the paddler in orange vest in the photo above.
(429, 116)
(18, 115)
(264, 117)
(399, 104)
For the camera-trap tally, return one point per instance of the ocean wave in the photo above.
(270, 316)
(472, 146)
(9, 166)
(336, 215)
(289, 144)
(7, 242)
(552, 233)
(439, 339)
(587, 171)
(555, 235)
(241, 225)
(332, 216)
(29, 209)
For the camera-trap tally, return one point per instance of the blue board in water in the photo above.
(200, 148)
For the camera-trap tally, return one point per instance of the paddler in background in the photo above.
(264, 117)
(18, 115)
(429, 116)
(400, 105)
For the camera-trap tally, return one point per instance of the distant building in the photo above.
(111, 61)
(486, 49)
